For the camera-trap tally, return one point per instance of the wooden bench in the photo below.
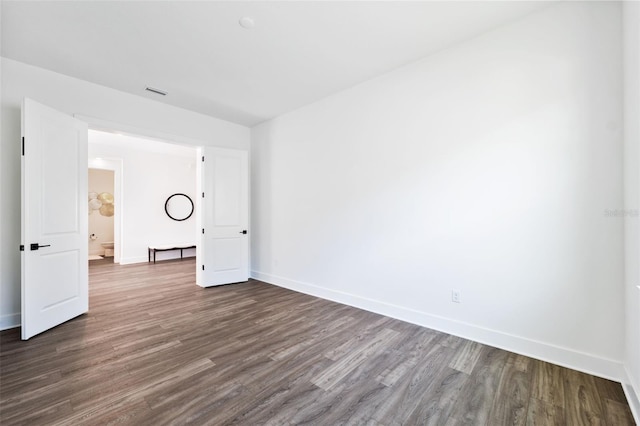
(181, 247)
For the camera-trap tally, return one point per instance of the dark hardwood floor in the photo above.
(156, 349)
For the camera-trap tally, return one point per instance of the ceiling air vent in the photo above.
(156, 91)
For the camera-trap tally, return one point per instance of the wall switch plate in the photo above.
(455, 296)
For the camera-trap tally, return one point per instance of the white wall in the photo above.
(631, 32)
(486, 168)
(149, 177)
(75, 96)
(99, 225)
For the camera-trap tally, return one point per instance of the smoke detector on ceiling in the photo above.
(247, 22)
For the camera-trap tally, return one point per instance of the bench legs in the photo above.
(154, 250)
(154, 254)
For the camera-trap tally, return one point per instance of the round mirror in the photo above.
(179, 207)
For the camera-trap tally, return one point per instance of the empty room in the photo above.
(403, 213)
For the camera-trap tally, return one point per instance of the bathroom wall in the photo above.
(101, 226)
(151, 172)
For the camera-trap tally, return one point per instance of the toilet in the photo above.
(108, 248)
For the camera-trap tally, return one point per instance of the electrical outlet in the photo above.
(455, 296)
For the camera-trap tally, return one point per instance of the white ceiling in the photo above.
(297, 53)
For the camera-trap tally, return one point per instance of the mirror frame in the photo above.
(166, 206)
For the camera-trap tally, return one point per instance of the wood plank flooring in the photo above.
(155, 349)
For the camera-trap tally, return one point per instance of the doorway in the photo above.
(101, 203)
(148, 172)
(113, 165)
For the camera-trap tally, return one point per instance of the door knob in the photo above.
(36, 246)
(244, 231)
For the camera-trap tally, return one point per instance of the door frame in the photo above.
(127, 130)
(114, 165)
(198, 144)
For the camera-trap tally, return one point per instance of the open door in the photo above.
(54, 218)
(223, 251)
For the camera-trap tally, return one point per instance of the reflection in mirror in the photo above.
(179, 207)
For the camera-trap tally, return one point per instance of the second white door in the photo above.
(223, 251)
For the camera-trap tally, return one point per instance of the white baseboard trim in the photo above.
(566, 357)
(633, 397)
(10, 321)
(634, 402)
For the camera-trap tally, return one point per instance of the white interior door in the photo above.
(223, 250)
(54, 218)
